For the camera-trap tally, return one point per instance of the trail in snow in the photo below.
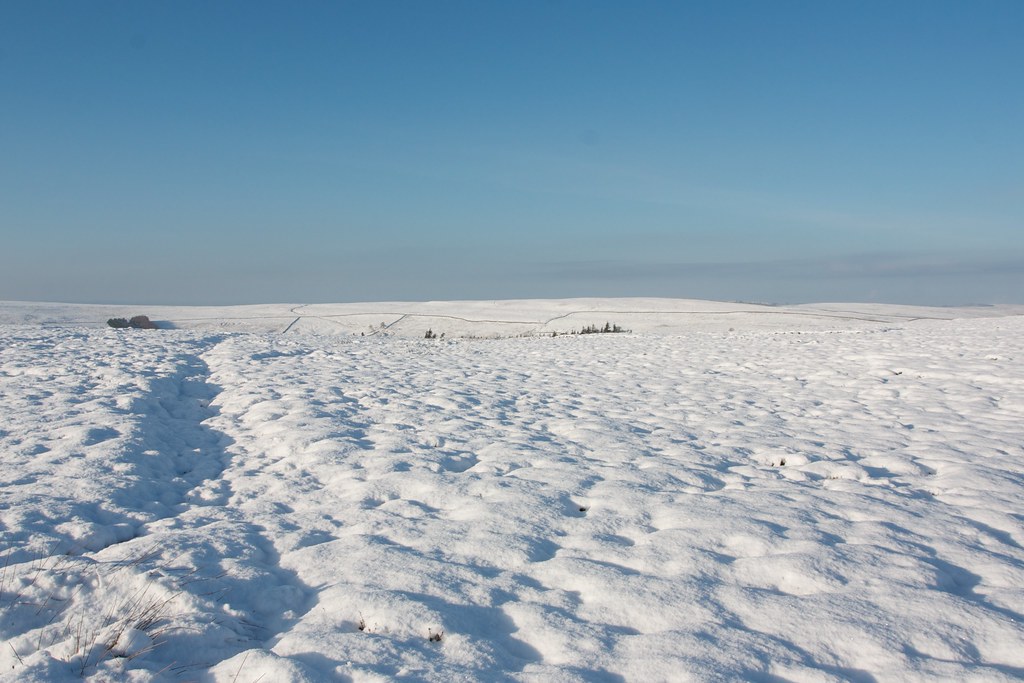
(121, 420)
(113, 491)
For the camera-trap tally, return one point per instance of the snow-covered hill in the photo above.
(730, 492)
(493, 319)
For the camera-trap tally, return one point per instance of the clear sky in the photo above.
(237, 152)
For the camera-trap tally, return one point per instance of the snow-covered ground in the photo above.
(296, 493)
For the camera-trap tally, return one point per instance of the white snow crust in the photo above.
(296, 493)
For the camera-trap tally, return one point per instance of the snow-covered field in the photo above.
(296, 493)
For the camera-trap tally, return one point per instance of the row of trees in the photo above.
(607, 329)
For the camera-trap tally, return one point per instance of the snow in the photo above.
(729, 492)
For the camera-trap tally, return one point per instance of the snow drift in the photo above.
(731, 492)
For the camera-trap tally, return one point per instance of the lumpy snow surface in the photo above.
(757, 503)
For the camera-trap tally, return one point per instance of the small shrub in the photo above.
(104, 625)
(365, 627)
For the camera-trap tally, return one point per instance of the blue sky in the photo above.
(194, 152)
